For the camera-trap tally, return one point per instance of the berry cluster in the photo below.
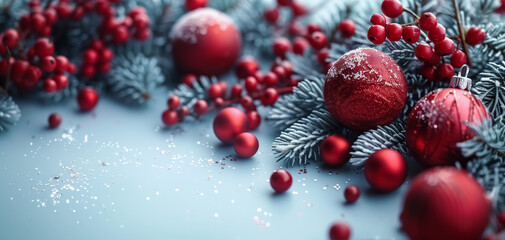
(272, 15)
(432, 52)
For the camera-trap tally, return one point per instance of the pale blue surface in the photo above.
(156, 183)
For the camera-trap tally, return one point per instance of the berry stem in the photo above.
(411, 13)
(461, 32)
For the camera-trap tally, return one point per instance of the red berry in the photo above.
(87, 99)
(170, 117)
(394, 32)
(61, 64)
(281, 47)
(270, 79)
(137, 11)
(392, 8)
(458, 59)
(106, 55)
(247, 103)
(253, 120)
(45, 32)
(318, 40)
(351, 194)
(347, 28)
(183, 112)
(141, 22)
(299, 45)
(378, 19)
(411, 34)
(444, 72)
(24, 22)
(34, 3)
(64, 10)
(43, 47)
(88, 71)
(38, 22)
(428, 72)
(322, 55)
(61, 81)
(215, 91)
(18, 69)
(105, 67)
(269, 97)
(218, 102)
(48, 64)
(246, 67)
(313, 27)
(246, 145)
(78, 13)
(298, 9)
(435, 60)
(4, 65)
(271, 15)
(54, 120)
(259, 76)
(444, 47)
(281, 181)
(423, 52)
(285, 3)
(236, 91)
(281, 73)
(251, 84)
(288, 68)
(340, 231)
(377, 34)
(121, 35)
(71, 68)
(173, 102)
(475, 36)
(500, 218)
(295, 29)
(195, 4)
(90, 56)
(10, 38)
(437, 34)
(293, 82)
(49, 85)
(224, 86)
(200, 107)
(51, 16)
(32, 74)
(97, 44)
(428, 21)
(189, 79)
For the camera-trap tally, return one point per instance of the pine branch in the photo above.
(403, 54)
(9, 112)
(305, 66)
(133, 77)
(491, 90)
(391, 136)
(292, 107)
(488, 146)
(492, 178)
(189, 95)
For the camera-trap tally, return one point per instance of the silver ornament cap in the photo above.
(462, 81)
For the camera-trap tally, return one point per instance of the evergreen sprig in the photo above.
(9, 112)
(189, 95)
(58, 96)
(491, 90)
(488, 146)
(305, 66)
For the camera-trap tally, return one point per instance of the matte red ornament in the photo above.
(351, 194)
(229, 123)
(205, 42)
(386, 170)
(340, 231)
(87, 99)
(438, 122)
(365, 88)
(246, 145)
(335, 151)
(281, 181)
(445, 203)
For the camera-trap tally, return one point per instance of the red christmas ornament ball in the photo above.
(365, 88)
(54, 120)
(87, 99)
(351, 194)
(335, 151)
(386, 170)
(438, 122)
(445, 203)
(246, 145)
(229, 123)
(281, 180)
(340, 231)
(205, 42)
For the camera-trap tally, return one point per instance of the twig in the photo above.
(411, 13)
(461, 32)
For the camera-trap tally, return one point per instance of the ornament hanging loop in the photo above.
(462, 81)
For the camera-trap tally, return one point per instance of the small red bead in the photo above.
(377, 34)
(299, 45)
(347, 28)
(444, 47)
(43, 47)
(423, 52)
(394, 32)
(475, 36)
(61, 81)
(271, 15)
(236, 91)
(49, 85)
(54, 120)
(340, 231)
(254, 120)
(428, 21)
(351, 194)
(428, 71)
(281, 46)
(173, 102)
(392, 8)
(87, 99)
(411, 34)
(48, 64)
(281, 181)
(246, 67)
(458, 59)
(61, 64)
(378, 19)
(251, 84)
(318, 40)
(298, 9)
(195, 4)
(247, 103)
(170, 117)
(246, 145)
(189, 79)
(10, 38)
(90, 56)
(270, 79)
(215, 91)
(437, 34)
(444, 72)
(200, 107)
(269, 97)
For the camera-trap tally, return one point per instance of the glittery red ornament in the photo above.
(438, 122)
(386, 170)
(445, 203)
(365, 88)
(281, 180)
(229, 123)
(335, 151)
(246, 145)
(87, 99)
(205, 42)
